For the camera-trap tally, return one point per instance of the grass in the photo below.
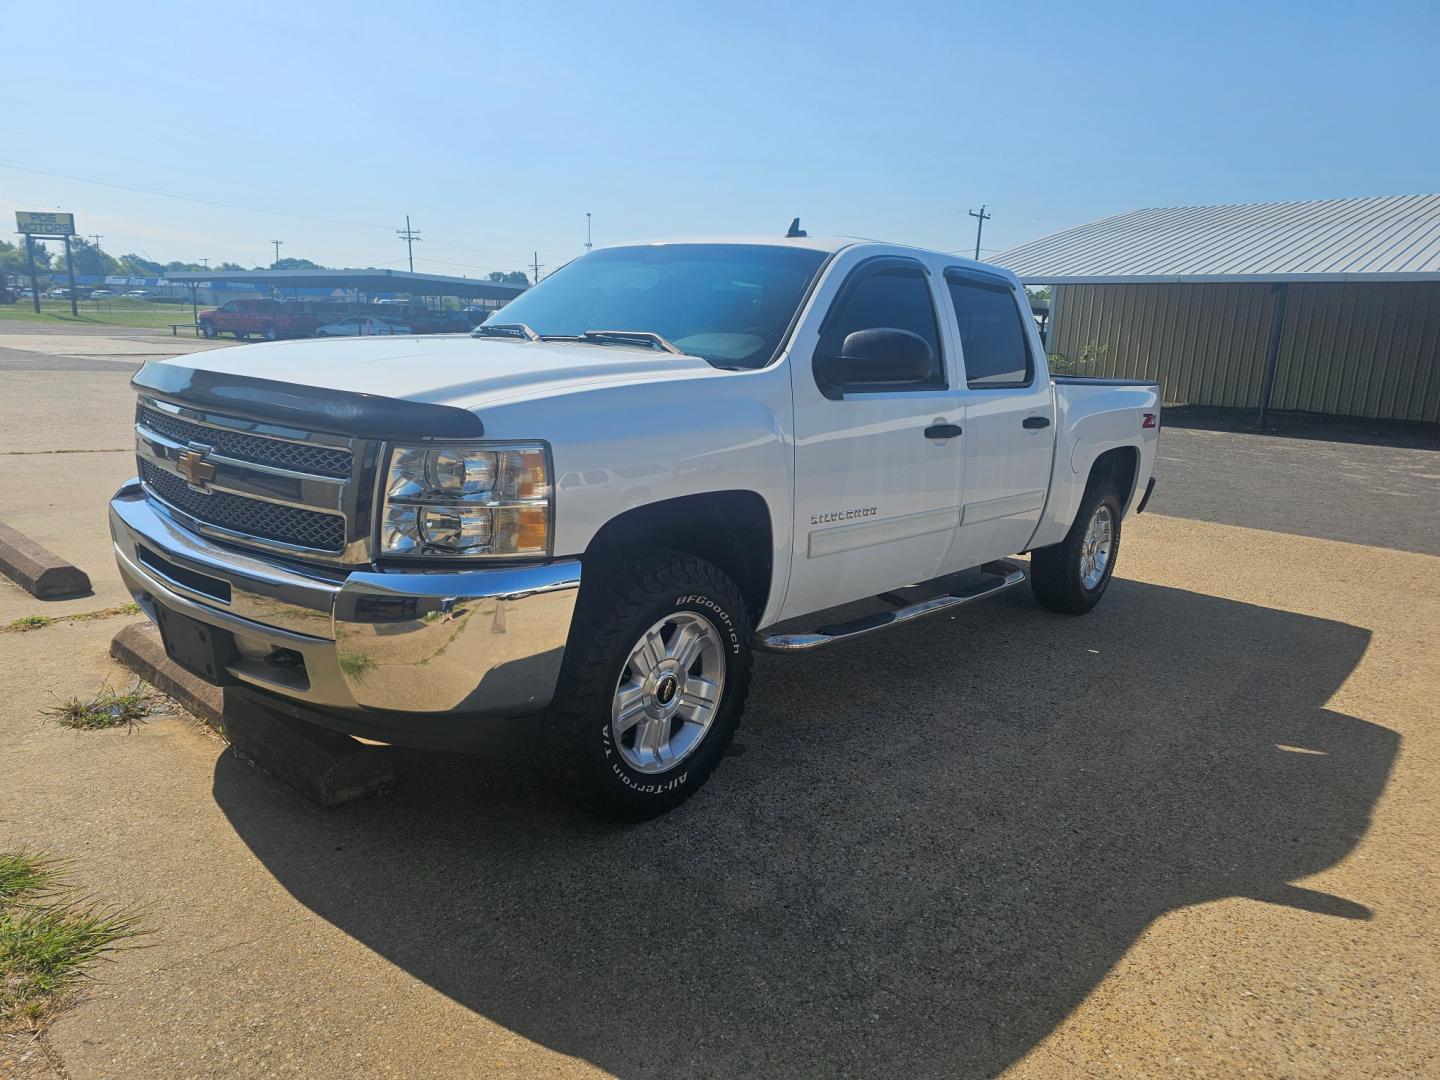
(29, 622)
(107, 709)
(38, 622)
(99, 313)
(356, 665)
(49, 938)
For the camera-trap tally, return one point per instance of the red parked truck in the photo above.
(266, 319)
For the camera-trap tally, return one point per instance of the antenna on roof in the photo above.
(795, 231)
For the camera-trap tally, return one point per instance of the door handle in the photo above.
(1036, 421)
(942, 431)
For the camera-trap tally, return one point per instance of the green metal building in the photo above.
(1327, 306)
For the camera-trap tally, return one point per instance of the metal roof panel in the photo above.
(1397, 236)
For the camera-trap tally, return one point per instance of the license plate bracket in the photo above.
(200, 649)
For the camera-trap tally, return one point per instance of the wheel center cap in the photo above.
(665, 689)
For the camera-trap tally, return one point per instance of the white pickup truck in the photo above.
(584, 517)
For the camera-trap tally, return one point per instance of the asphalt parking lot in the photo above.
(1194, 833)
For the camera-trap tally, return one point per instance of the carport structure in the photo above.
(366, 283)
(1326, 306)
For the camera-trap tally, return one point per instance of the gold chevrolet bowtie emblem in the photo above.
(195, 468)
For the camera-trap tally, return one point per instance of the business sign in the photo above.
(41, 224)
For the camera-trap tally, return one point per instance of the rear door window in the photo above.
(992, 332)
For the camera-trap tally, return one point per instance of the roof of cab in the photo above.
(813, 243)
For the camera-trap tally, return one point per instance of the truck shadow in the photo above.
(930, 848)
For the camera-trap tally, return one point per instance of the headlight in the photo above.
(472, 501)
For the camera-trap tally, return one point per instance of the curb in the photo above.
(39, 572)
(325, 766)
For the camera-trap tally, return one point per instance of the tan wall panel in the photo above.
(1350, 350)
(1361, 350)
(1204, 344)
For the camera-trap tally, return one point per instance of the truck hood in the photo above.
(453, 370)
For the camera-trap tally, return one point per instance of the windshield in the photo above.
(727, 303)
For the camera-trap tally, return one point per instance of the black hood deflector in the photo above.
(312, 408)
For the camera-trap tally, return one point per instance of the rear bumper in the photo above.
(387, 647)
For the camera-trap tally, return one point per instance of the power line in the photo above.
(409, 235)
(980, 220)
(82, 178)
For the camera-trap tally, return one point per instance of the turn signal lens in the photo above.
(523, 530)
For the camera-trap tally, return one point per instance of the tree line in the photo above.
(89, 259)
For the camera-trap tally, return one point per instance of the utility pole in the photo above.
(410, 236)
(205, 263)
(980, 220)
(277, 244)
(588, 244)
(535, 265)
(95, 239)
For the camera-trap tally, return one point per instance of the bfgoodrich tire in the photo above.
(652, 686)
(1070, 577)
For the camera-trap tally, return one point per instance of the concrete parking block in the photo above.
(139, 648)
(39, 572)
(328, 768)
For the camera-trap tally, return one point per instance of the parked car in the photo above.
(100, 294)
(137, 294)
(582, 520)
(58, 294)
(424, 321)
(260, 318)
(359, 326)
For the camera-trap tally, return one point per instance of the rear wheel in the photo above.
(1071, 576)
(271, 335)
(208, 331)
(653, 684)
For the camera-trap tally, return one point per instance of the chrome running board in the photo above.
(957, 589)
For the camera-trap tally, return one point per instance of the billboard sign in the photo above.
(42, 224)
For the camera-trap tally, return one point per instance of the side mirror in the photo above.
(883, 356)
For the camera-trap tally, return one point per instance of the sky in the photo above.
(206, 130)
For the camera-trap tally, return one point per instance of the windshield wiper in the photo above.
(631, 337)
(505, 329)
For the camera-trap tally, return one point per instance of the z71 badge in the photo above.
(843, 515)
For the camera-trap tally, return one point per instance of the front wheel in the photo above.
(1071, 576)
(208, 331)
(653, 684)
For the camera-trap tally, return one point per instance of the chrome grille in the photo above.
(270, 521)
(259, 483)
(302, 457)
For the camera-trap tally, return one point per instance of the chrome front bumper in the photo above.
(476, 643)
